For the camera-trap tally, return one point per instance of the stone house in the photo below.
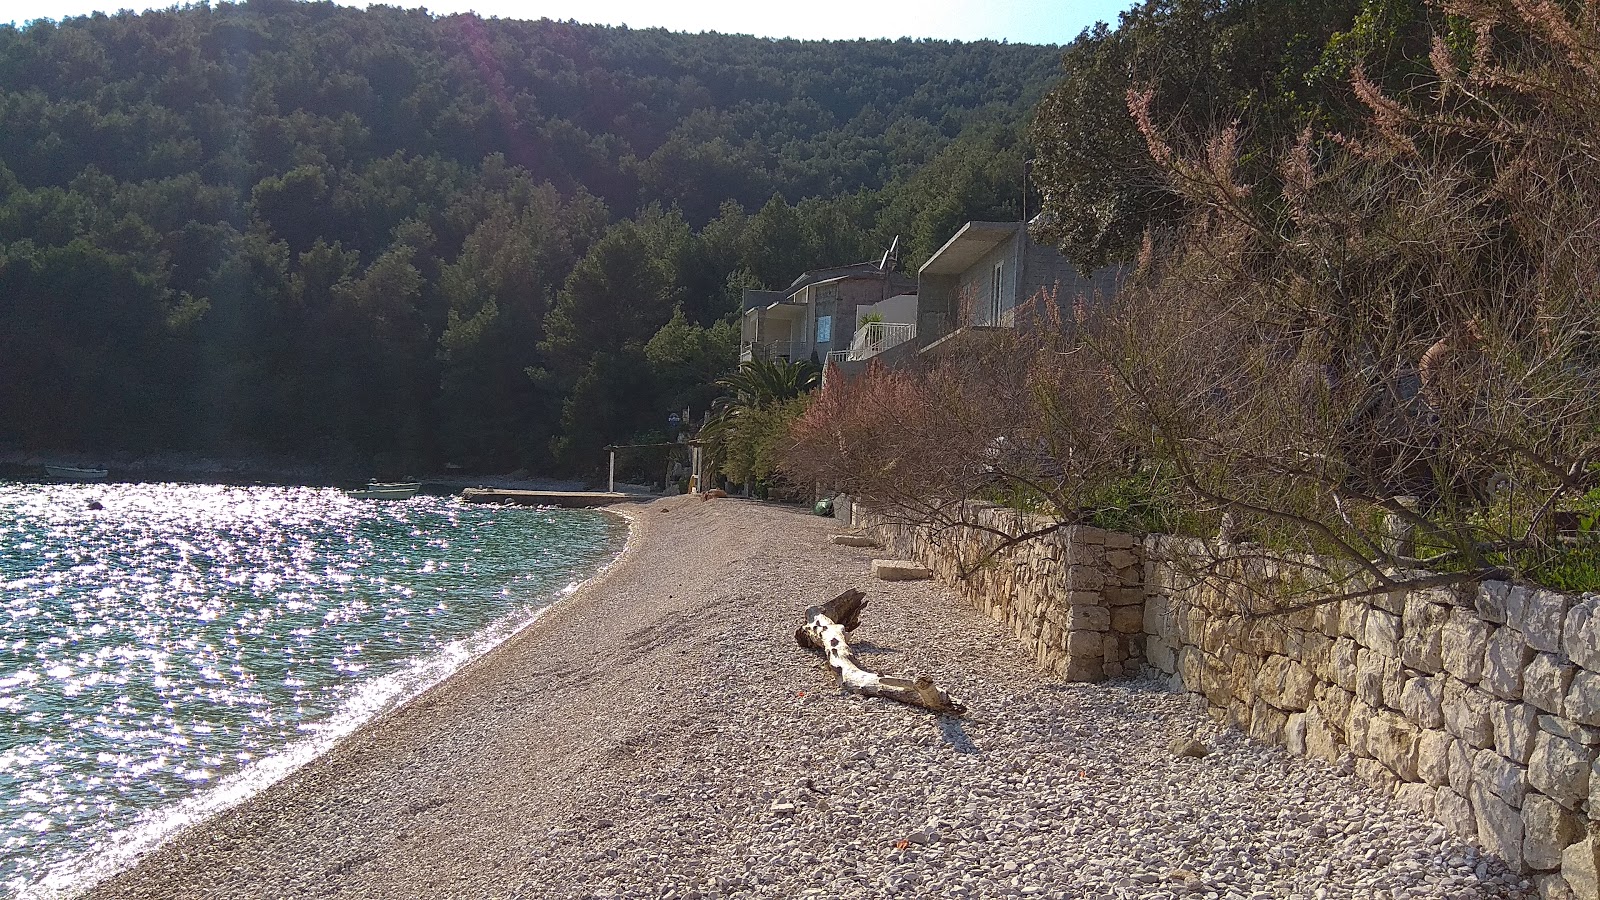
(816, 314)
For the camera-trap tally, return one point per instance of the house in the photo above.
(817, 314)
(985, 274)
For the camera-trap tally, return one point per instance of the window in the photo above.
(824, 329)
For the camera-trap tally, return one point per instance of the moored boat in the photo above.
(74, 473)
(385, 490)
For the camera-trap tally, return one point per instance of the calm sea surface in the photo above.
(187, 645)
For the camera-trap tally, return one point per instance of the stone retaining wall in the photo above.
(1075, 596)
(1479, 708)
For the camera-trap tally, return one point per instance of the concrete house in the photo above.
(817, 314)
(986, 273)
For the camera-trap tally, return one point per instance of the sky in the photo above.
(1018, 21)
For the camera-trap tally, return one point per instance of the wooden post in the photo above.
(611, 477)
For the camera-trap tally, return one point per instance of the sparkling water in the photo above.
(183, 646)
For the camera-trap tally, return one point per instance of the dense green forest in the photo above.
(383, 239)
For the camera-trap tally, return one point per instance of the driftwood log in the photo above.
(825, 629)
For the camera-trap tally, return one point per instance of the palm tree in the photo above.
(756, 385)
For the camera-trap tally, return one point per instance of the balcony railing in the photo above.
(875, 337)
(766, 351)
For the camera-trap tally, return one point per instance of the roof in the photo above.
(967, 247)
(816, 276)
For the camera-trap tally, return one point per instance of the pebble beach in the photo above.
(659, 734)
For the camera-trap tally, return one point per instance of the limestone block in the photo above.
(1383, 632)
(1192, 668)
(1294, 734)
(1316, 652)
(1581, 635)
(1084, 643)
(1372, 669)
(1418, 798)
(1551, 886)
(1422, 701)
(1116, 540)
(1541, 617)
(1218, 634)
(1391, 601)
(1120, 559)
(1085, 578)
(1285, 683)
(1503, 778)
(899, 570)
(1393, 741)
(1462, 644)
(1499, 827)
(854, 540)
(1490, 601)
(1433, 757)
(1545, 682)
(1378, 775)
(1327, 615)
(1075, 667)
(1559, 768)
(1547, 829)
(1353, 620)
(1454, 812)
(1356, 726)
(1334, 703)
(1267, 724)
(1594, 792)
(1514, 724)
(1123, 596)
(1580, 867)
(1161, 655)
(1561, 727)
(1466, 713)
(1583, 698)
(1160, 619)
(1395, 679)
(1343, 660)
(1075, 554)
(1088, 618)
(1321, 740)
(1127, 619)
(1461, 768)
(1505, 656)
(1424, 625)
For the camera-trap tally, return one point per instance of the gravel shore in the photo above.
(659, 734)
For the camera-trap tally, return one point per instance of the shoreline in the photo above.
(662, 736)
(160, 825)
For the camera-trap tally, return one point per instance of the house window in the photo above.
(824, 329)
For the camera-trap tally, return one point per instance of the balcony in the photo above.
(875, 337)
(766, 351)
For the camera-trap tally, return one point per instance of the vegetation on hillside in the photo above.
(384, 238)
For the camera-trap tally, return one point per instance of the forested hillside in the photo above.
(380, 238)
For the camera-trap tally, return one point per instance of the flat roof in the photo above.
(968, 246)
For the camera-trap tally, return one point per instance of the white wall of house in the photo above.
(898, 310)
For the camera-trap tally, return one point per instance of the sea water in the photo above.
(183, 646)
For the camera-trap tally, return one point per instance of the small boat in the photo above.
(73, 473)
(385, 490)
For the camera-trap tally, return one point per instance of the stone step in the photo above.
(853, 540)
(899, 570)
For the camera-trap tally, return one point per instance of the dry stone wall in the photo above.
(1477, 707)
(1074, 595)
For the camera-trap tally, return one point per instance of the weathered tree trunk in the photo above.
(824, 630)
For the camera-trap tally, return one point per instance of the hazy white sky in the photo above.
(1019, 21)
